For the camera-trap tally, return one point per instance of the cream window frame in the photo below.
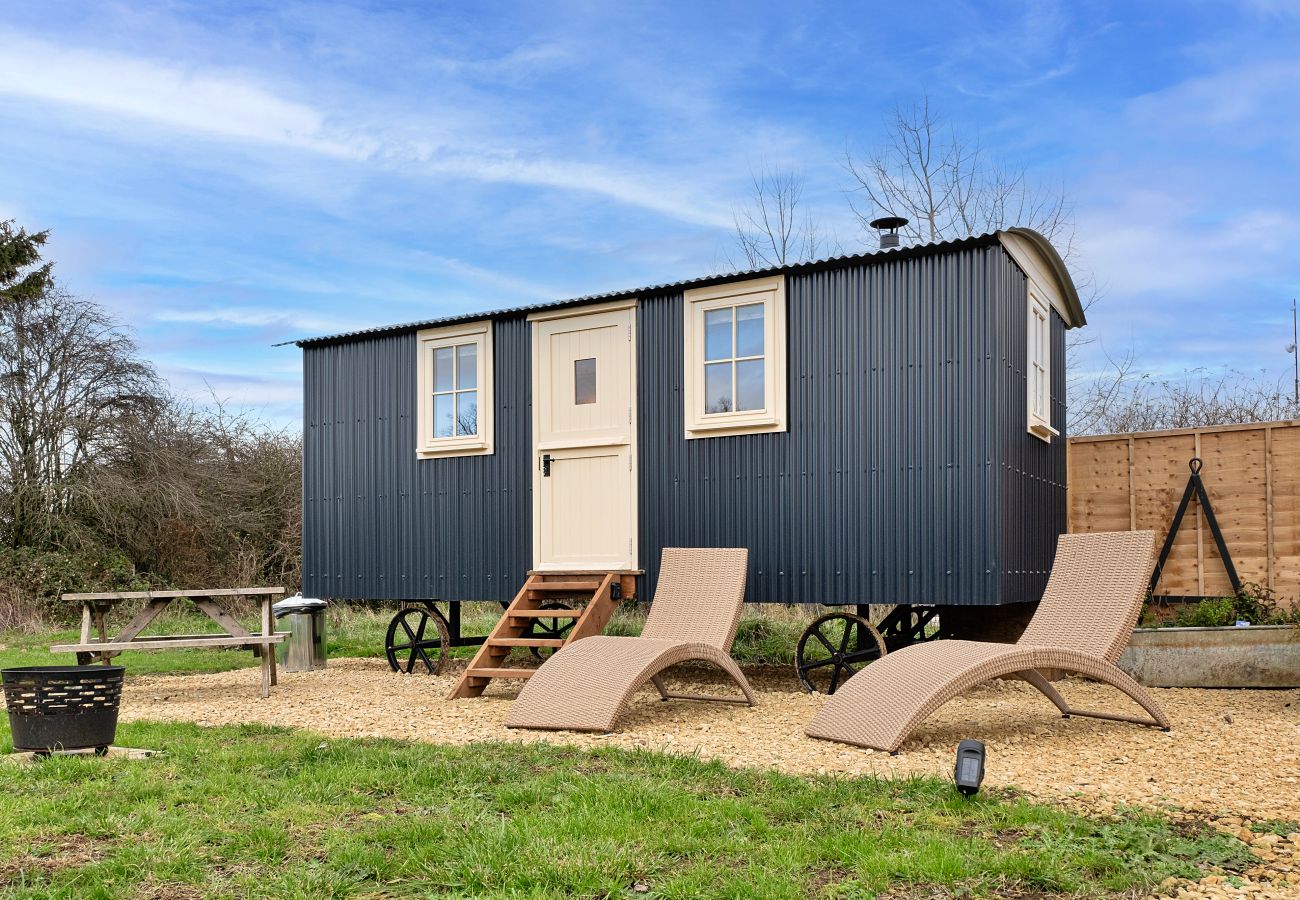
(770, 292)
(480, 335)
(1038, 368)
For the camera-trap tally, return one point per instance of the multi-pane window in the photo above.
(735, 358)
(1039, 368)
(455, 390)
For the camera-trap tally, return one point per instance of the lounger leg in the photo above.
(1044, 687)
(737, 676)
(1117, 679)
(1121, 680)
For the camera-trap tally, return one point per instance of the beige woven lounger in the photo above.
(1093, 600)
(586, 685)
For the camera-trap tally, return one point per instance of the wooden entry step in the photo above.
(597, 592)
(527, 642)
(564, 586)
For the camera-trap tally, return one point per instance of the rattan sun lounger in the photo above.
(587, 685)
(1093, 599)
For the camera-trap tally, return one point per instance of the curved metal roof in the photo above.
(1040, 243)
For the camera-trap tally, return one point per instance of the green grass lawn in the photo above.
(253, 811)
(767, 634)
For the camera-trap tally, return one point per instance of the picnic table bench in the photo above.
(214, 602)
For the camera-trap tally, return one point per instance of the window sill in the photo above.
(1043, 431)
(733, 426)
(477, 448)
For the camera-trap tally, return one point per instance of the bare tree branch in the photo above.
(947, 186)
(70, 381)
(772, 229)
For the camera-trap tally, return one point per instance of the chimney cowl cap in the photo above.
(890, 222)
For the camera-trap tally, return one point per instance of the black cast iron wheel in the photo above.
(549, 628)
(833, 649)
(420, 635)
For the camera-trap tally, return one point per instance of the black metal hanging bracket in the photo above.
(1196, 487)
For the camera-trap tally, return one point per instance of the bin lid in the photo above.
(296, 604)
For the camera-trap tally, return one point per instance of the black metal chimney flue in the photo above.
(888, 227)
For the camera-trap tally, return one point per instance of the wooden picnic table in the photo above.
(213, 602)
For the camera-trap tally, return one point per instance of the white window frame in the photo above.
(428, 446)
(772, 417)
(1038, 367)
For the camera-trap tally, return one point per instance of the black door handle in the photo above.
(546, 465)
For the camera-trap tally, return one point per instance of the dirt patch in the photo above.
(164, 890)
(53, 855)
(1233, 756)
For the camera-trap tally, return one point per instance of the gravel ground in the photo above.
(1233, 757)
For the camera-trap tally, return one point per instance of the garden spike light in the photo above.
(969, 771)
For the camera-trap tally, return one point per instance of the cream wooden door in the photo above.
(584, 441)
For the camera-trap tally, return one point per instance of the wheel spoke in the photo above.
(407, 628)
(396, 647)
(419, 633)
(425, 657)
(844, 651)
(835, 679)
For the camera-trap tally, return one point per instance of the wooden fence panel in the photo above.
(1252, 474)
(1285, 508)
(1160, 473)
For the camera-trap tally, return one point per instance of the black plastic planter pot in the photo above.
(63, 707)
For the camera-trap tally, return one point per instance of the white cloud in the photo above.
(277, 402)
(489, 278)
(1154, 240)
(253, 318)
(1193, 235)
(1281, 9)
(221, 104)
(1253, 103)
(233, 106)
(659, 195)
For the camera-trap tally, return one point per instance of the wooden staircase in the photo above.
(599, 591)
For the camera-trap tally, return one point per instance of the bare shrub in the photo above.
(199, 495)
(32, 580)
(1121, 400)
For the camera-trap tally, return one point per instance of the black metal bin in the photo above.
(63, 707)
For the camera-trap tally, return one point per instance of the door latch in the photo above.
(546, 465)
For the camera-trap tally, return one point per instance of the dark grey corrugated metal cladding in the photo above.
(907, 474)
(378, 523)
(1033, 473)
(902, 476)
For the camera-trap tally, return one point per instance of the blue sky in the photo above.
(226, 175)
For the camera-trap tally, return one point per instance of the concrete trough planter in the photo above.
(1258, 656)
